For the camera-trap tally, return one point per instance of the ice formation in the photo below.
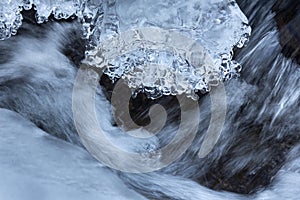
(199, 58)
(157, 68)
(11, 19)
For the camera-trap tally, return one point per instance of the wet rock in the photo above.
(288, 21)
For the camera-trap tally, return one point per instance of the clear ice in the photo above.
(217, 25)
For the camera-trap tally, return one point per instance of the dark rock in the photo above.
(288, 22)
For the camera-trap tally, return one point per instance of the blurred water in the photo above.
(253, 154)
(35, 165)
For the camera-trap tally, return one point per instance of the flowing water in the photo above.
(256, 156)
